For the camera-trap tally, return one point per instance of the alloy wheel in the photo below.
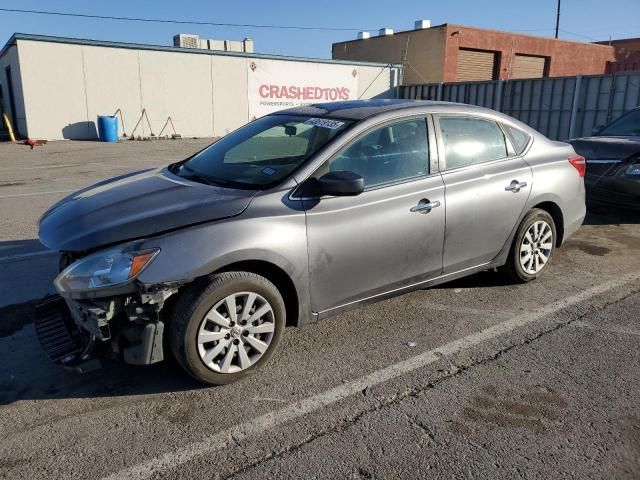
(536, 246)
(236, 332)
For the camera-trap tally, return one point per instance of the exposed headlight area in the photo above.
(107, 268)
(102, 308)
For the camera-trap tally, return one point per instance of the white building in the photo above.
(55, 88)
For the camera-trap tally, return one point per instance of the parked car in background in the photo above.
(613, 161)
(297, 216)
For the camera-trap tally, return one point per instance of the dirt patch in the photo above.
(588, 248)
(7, 464)
(533, 410)
(14, 317)
(631, 447)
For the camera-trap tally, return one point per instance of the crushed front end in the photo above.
(102, 311)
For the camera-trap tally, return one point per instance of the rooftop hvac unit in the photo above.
(385, 31)
(363, 35)
(422, 24)
(186, 40)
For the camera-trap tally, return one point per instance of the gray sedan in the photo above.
(294, 217)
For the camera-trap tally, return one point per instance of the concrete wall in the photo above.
(229, 80)
(67, 85)
(376, 81)
(10, 58)
(425, 52)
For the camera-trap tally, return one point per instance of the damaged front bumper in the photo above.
(75, 332)
(61, 340)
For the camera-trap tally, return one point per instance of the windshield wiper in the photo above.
(208, 180)
(196, 177)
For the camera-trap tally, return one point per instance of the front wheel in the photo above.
(227, 328)
(532, 246)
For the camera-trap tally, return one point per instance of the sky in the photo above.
(587, 20)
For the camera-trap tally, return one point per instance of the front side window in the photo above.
(388, 154)
(262, 153)
(469, 140)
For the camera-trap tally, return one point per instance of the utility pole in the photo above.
(558, 19)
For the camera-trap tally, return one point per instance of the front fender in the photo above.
(198, 251)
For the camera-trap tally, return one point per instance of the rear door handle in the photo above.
(515, 186)
(425, 206)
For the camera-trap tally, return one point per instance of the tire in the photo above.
(518, 268)
(202, 342)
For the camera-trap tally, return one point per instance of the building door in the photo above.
(475, 65)
(528, 66)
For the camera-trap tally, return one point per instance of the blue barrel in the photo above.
(108, 128)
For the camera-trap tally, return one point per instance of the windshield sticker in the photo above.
(268, 171)
(324, 123)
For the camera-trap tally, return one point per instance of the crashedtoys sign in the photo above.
(275, 85)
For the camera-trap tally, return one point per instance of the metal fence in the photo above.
(559, 107)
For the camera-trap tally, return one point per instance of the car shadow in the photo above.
(27, 374)
(486, 279)
(599, 214)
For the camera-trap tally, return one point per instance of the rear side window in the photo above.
(469, 140)
(519, 139)
(389, 154)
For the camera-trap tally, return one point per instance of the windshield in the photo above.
(628, 124)
(262, 153)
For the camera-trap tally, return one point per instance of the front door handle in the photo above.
(515, 186)
(425, 206)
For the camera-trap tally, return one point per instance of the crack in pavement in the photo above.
(392, 400)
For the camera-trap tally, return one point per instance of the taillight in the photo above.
(579, 163)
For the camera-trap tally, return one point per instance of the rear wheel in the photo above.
(532, 246)
(224, 330)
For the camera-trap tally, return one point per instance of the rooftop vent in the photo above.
(422, 24)
(363, 35)
(186, 40)
(386, 31)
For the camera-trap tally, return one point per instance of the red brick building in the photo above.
(627, 54)
(454, 53)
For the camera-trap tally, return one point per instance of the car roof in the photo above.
(361, 109)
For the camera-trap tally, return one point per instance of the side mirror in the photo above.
(597, 129)
(340, 183)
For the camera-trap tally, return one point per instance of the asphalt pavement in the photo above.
(478, 378)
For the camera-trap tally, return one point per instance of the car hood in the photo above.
(606, 148)
(136, 205)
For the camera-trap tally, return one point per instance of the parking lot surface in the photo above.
(478, 378)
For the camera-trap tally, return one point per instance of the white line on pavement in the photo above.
(308, 405)
(37, 193)
(26, 256)
(606, 329)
